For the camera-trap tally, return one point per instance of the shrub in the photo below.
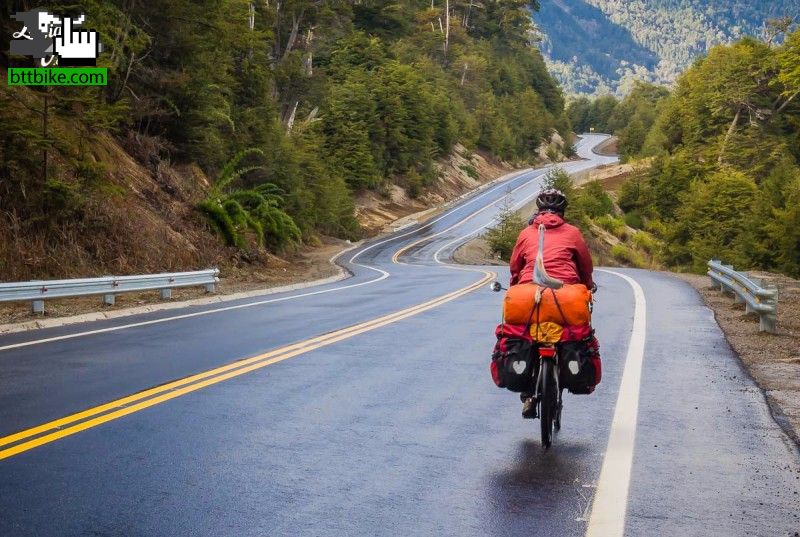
(624, 254)
(470, 170)
(503, 235)
(552, 153)
(615, 226)
(634, 220)
(62, 200)
(414, 183)
(594, 201)
(645, 241)
(656, 227)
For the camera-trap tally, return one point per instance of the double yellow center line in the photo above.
(54, 430)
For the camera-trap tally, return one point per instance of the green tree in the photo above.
(351, 114)
(712, 220)
(502, 236)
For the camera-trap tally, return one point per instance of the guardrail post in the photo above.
(37, 306)
(737, 299)
(759, 282)
(108, 300)
(166, 294)
(767, 323)
(211, 287)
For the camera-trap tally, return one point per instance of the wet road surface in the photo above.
(390, 428)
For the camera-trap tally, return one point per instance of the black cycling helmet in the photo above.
(551, 200)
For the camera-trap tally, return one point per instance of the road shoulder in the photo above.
(773, 360)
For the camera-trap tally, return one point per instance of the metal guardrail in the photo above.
(38, 290)
(757, 299)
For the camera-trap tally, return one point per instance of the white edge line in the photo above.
(610, 505)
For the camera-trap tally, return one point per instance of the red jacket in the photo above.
(566, 256)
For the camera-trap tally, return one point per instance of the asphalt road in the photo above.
(365, 407)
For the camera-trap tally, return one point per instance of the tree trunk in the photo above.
(446, 29)
(464, 74)
(730, 132)
(786, 103)
(277, 31)
(293, 36)
(124, 85)
(290, 122)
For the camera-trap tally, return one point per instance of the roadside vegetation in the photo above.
(294, 107)
(718, 171)
(611, 240)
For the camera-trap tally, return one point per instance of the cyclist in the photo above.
(566, 256)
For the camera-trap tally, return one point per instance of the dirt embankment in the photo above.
(459, 173)
(773, 360)
(609, 148)
(611, 176)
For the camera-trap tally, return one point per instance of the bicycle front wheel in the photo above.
(547, 402)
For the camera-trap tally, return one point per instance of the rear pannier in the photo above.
(513, 364)
(580, 366)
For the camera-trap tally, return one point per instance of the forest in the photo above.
(601, 46)
(284, 110)
(719, 157)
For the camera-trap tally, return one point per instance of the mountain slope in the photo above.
(597, 46)
(289, 110)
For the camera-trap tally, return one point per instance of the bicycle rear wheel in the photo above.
(547, 402)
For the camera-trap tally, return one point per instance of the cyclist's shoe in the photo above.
(529, 408)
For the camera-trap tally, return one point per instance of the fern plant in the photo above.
(232, 213)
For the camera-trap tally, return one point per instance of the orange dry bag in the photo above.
(566, 306)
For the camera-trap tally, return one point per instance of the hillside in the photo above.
(232, 131)
(716, 161)
(597, 46)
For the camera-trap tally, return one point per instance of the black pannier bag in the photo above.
(579, 367)
(514, 364)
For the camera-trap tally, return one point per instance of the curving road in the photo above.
(365, 407)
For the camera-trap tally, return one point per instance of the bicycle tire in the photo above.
(547, 404)
(559, 408)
